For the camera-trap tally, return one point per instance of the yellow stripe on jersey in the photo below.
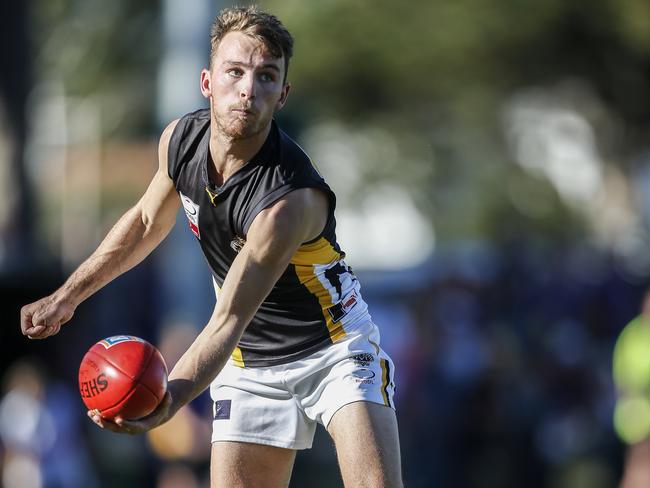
(237, 357)
(384, 381)
(317, 252)
(308, 255)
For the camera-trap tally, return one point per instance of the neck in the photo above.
(228, 154)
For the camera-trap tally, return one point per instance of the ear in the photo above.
(206, 85)
(283, 96)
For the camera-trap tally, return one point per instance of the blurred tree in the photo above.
(16, 215)
(104, 50)
(440, 72)
(434, 75)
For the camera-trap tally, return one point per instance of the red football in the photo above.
(123, 376)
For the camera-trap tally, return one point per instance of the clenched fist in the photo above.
(45, 317)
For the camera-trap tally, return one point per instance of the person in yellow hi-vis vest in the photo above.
(631, 367)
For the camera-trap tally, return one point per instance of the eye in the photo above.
(235, 72)
(267, 77)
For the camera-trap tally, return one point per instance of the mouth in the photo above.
(242, 111)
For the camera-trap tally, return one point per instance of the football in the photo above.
(122, 376)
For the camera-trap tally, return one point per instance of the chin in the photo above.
(241, 130)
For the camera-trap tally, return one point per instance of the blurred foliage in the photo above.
(441, 71)
(104, 50)
(425, 59)
(433, 74)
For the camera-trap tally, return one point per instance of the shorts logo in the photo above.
(192, 213)
(222, 409)
(111, 341)
(363, 359)
(364, 375)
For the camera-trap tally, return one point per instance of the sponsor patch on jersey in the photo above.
(192, 213)
(222, 409)
(350, 301)
(111, 341)
(341, 309)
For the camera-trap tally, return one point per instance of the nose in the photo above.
(247, 87)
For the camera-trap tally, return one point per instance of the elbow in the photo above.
(149, 227)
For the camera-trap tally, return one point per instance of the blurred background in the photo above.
(492, 165)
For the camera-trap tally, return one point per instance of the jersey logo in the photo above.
(213, 196)
(341, 309)
(192, 212)
(237, 243)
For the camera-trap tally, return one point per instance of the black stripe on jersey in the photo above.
(333, 275)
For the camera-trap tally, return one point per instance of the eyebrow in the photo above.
(246, 65)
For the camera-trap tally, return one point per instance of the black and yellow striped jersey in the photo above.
(317, 299)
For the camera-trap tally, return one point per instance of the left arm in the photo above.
(273, 238)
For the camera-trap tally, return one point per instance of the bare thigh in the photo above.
(637, 468)
(367, 445)
(245, 465)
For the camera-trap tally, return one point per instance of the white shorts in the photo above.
(280, 405)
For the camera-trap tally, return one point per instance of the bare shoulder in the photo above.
(298, 203)
(163, 144)
(167, 133)
(303, 212)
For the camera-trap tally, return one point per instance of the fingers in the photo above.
(43, 318)
(124, 426)
(32, 323)
(118, 425)
(43, 332)
(133, 426)
(35, 330)
(154, 419)
(26, 324)
(46, 321)
(41, 329)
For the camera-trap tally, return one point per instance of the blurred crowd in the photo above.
(503, 364)
(505, 378)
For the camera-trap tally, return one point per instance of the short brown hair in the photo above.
(256, 23)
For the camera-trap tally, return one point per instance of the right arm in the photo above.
(132, 238)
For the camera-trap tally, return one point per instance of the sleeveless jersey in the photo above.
(317, 299)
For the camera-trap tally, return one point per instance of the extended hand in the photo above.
(45, 317)
(159, 416)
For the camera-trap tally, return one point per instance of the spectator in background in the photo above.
(31, 435)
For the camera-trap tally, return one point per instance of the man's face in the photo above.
(245, 86)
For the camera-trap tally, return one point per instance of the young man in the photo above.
(290, 342)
